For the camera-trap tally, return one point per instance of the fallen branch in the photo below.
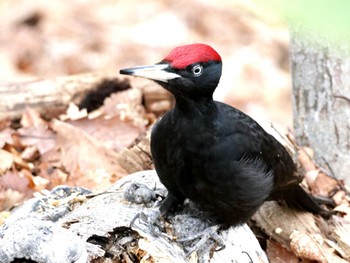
(51, 97)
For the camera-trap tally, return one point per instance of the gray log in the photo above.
(72, 225)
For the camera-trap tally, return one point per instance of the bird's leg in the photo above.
(141, 194)
(144, 217)
(170, 203)
(152, 221)
(209, 233)
(160, 208)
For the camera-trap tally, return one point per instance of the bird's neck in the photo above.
(195, 106)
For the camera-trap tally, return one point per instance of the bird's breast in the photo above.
(182, 142)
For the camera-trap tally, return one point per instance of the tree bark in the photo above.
(321, 100)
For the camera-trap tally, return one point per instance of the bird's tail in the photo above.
(296, 197)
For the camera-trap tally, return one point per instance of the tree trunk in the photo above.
(321, 100)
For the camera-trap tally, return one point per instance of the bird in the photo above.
(212, 153)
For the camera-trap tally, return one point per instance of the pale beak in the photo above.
(155, 72)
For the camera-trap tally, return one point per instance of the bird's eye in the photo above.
(197, 70)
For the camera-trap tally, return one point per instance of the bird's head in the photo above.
(188, 71)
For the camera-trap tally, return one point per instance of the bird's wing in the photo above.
(239, 134)
(249, 140)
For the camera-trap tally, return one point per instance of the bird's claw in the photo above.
(151, 220)
(208, 233)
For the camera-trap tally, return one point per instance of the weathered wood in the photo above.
(306, 235)
(99, 230)
(50, 97)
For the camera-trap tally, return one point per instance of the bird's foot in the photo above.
(209, 233)
(141, 194)
(152, 220)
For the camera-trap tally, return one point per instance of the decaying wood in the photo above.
(48, 96)
(137, 157)
(306, 235)
(97, 227)
(51, 97)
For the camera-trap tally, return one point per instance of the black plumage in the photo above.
(212, 153)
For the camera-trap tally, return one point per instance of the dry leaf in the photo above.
(9, 198)
(15, 187)
(111, 132)
(6, 137)
(4, 124)
(323, 185)
(82, 155)
(39, 136)
(40, 183)
(6, 161)
(318, 182)
(31, 118)
(30, 153)
(17, 160)
(50, 172)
